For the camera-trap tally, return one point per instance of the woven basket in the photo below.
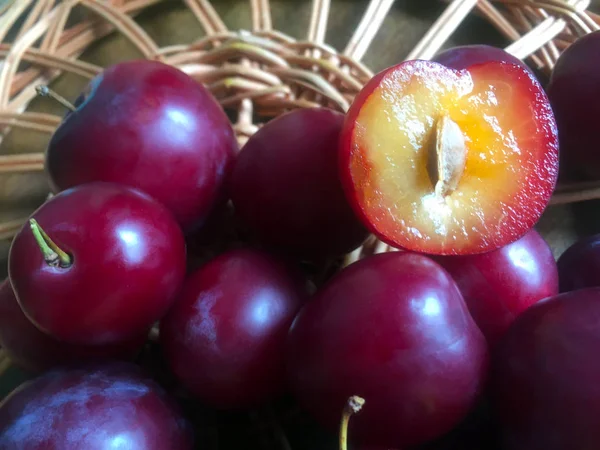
(255, 74)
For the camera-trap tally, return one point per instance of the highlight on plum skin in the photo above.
(442, 161)
(109, 405)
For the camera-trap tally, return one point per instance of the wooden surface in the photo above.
(170, 23)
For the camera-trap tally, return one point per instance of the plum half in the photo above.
(447, 161)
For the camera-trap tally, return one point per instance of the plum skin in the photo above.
(574, 86)
(224, 338)
(465, 56)
(33, 350)
(150, 126)
(394, 329)
(579, 265)
(128, 262)
(285, 186)
(545, 375)
(92, 408)
(499, 285)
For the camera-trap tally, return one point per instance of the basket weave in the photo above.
(255, 74)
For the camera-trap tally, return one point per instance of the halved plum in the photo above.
(446, 161)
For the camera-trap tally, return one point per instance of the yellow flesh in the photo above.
(395, 129)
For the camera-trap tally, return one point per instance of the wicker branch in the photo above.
(10, 228)
(533, 40)
(504, 26)
(40, 9)
(318, 21)
(27, 162)
(207, 16)
(261, 15)
(441, 30)
(10, 16)
(576, 192)
(367, 28)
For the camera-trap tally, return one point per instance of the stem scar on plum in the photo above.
(353, 406)
(53, 254)
(447, 157)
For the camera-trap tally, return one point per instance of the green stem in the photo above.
(354, 405)
(53, 254)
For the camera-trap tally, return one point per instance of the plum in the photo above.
(286, 189)
(545, 375)
(31, 349)
(501, 284)
(224, 338)
(573, 92)
(98, 264)
(579, 265)
(393, 329)
(93, 407)
(147, 125)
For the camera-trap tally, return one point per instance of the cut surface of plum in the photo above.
(449, 161)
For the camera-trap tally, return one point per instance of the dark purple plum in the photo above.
(579, 265)
(286, 188)
(147, 125)
(499, 285)
(31, 349)
(573, 92)
(225, 336)
(92, 408)
(393, 329)
(545, 375)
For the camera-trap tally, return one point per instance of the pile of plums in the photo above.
(232, 263)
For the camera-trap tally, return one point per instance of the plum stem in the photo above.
(44, 91)
(353, 405)
(53, 255)
(448, 157)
